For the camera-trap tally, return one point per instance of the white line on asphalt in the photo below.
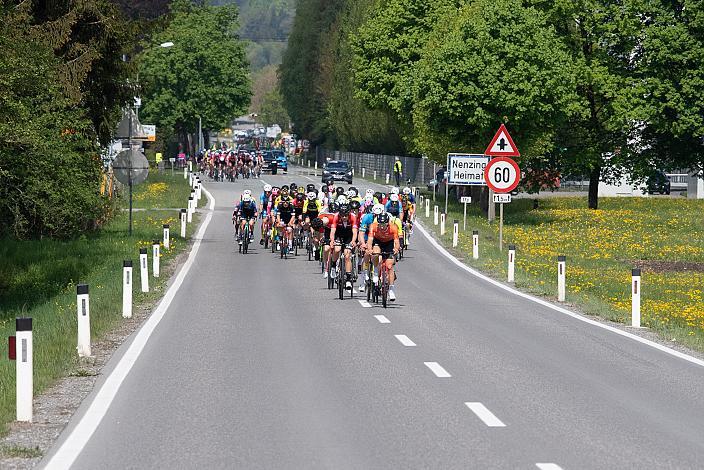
(382, 319)
(437, 369)
(544, 303)
(263, 182)
(405, 340)
(89, 422)
(365, 304)
(548, 466)
(484, 414)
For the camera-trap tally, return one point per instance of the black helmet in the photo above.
(333, 207)
(340, 190)
(355, 190)
(378, 196)
(354, 205)
(316, 223)
(344, 209)
(310, 187)
(383, 218)
(293, 187)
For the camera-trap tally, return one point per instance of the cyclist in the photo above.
(311, 209)
(265, 200)
(326, 217)
(247, 210)
(285, 219)
(343, 230)
(393, 207)
(408, 205)
(366, 221)
(383, 238)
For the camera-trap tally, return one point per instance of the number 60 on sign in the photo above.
(502, 175)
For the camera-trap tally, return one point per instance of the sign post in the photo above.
(501, 145)
(465, 200)
(502, 175)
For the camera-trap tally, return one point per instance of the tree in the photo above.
(272, 110)
(204, 74)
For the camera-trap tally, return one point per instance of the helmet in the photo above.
(284, 190)
(355, 205)
(394, 190)
(406, 190)
(378, 209)
(274, 191)
(316, 224)
(394, 197)
(369, 192)
(340, 190)
(267, 188)
(383, 219)
(342, 200)
(312, 195)
(354, 191)
(344, 209)
(350, 194)
(246, 198)
(378, 196)
(310, 187)
(333, 207)
(293, 187)
(324, 188)
(247, 192)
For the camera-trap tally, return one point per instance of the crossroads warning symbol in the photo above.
(502, 145)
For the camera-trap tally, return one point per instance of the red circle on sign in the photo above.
(487, 172)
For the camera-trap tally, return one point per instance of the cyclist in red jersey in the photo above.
(343, 229)
(383, 238)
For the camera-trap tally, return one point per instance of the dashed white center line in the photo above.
(548, 466)
(382, 319)
(405, 340)
(485, 415)
(365, 304)
(437, 369)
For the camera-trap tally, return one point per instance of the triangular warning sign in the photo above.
(502, 145)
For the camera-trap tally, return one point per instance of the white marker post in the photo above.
(561, 268)
(190, 166)
(156, 249)
(83, 311)
(427, 208)
(455, 233)
(442, 224)
(127, 288)
(167, 236)
(189, 213)
(143, 270)
(465, 200)
(436, 219)
(475, 244)
(183, 223)
(635, 296)
(511, 262)
(363, 170)
(387, 178)
(190, 179)
(24, 369)
(185, 173)
(374, 175)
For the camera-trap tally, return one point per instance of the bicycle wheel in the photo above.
(369, 286)
(245, 242)
(384, 287)
(341, 282)
(331, 280)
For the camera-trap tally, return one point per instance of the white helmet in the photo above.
(342, 200)
(247, 192)
(369, 192)
(267, 188)
(394, 190)
(393, 197)
(406, 190)
(350, 193)
(378, 209)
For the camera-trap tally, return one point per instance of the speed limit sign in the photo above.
(502, 175)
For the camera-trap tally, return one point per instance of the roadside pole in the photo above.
(475, 244)
(561, 268)
(127, 288)
(455, 232)
(511, 262)
(501, 226)
(83, 313)
(24, 369)
(465, 200)
(635, 297)
(167, 236)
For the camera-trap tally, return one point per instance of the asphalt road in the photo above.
(257, 365)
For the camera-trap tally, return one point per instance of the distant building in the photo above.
(245, 123)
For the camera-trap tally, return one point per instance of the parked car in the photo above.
(658, 182)
(337, 170)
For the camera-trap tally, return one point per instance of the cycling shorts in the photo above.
(344, 235)
(387, 248)
(286, 217)
(248, 215)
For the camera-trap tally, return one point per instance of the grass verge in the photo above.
(38, 279)
(663, 237)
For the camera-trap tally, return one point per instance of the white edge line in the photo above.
(382, 319)
(437, 369)
(485, 415)
(544, 303)
(71, 448)
(405, 340)
(548, 466)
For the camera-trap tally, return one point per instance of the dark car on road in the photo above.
(278, 156)
(337, 170)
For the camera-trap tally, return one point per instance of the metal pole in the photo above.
(464, 224)
(129, 177)
(501, 226)
(447, 193)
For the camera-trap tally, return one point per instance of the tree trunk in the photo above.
(594, 178)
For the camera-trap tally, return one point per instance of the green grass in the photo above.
(20, 452)
(38, 279)
(665, 237)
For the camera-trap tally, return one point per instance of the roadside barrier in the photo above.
(387, 178)
(167, 236)
(455, 232)
(363, 171)
(442, 224)
(24, 366)
(427, 207)
(635, 297)
(155, 258)
(83, 313)
(374, 175)
(189, 214)
(127, 288)
(183, 223)
(475, 244)
(435, 215)
(185, 173)
(511, 263)
(561, 274)
(143, 270)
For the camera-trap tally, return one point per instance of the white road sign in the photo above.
(466, 199)
(465, 169)
(502, 175)
(502, 198)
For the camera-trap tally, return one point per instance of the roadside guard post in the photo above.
(24, 369)
(635, 295)
(185, 175)
(127, 288)
(155, 258)
(167, 236)
(374, 175)
(363, 171)
(436, 219)
(83, 311)
(511, 263)
(455, 233)
(561, 268)
(387, 178)
(183, 223)
(475, 244)
(189, 214)
(143, 269)
(427, 208)
(442, 224)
